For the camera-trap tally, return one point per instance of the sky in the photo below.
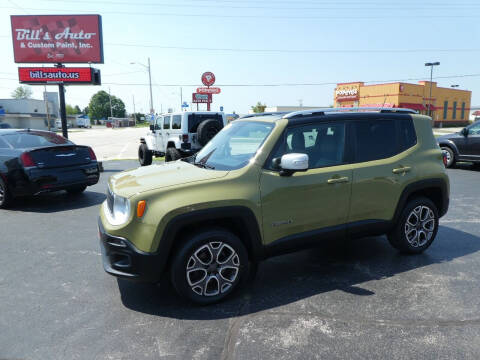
(263, 50)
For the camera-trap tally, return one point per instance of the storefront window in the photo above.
(445, 110)
(454, 116)
(463, 111)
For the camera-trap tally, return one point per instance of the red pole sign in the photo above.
(208, 90)
(42, 75)
(208, 78)
(57, 38)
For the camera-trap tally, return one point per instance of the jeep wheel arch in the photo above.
(238, 219)
(434, 189)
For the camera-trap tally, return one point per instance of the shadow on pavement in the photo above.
(335, 265)
(57, 201)
(467, 166)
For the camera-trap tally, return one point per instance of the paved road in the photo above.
(357, 300)
(110, 144)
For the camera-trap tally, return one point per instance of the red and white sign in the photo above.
(57, 38)
(346, 94)
(208, 79)
(208, 90)
(201, 98)
(41, 75)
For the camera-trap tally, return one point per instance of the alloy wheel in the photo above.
(212, 269)
(420, 226)
(2, 194)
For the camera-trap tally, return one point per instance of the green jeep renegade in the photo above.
(271, 184)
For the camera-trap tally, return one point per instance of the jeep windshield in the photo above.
(234, 146)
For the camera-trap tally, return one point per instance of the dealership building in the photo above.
(446, 106)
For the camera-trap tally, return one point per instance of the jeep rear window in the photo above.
(177, 121)
(195, 119)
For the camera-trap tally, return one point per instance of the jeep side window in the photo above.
(157, 123)
(177, 122)
(166, 122)
(324, 143)
(375, 140)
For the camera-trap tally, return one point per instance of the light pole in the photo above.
(149, 82)
(432, 64)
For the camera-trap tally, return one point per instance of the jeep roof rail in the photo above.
(319, 112)
(264, 114)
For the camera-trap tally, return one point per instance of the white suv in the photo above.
(178, 135)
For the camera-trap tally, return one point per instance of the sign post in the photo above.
(58, 39)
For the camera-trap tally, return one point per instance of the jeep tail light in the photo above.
(185, 138)
(27, 160)
(92, 154)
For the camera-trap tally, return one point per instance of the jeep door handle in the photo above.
(338, 180)
(402, 170)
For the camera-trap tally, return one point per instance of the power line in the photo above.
(294, 50)
(236, 16)
(379, 6)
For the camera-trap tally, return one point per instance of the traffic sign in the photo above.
(208, 90)
(208, 79)
(185, 104)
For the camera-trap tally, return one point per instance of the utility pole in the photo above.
(148, 67)
(181, 99)
(134, 112)
(110, 98)
(46, 106)
(432, 64)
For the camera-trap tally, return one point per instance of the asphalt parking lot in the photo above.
(356, 299)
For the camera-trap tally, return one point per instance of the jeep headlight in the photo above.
(117, 209)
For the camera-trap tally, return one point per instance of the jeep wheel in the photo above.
(209, 266)
(450, 156)
(5, 197)
(416, 228)
(207, 129)
(172, 154)
(144, 155)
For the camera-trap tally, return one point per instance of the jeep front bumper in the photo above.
(122, 259)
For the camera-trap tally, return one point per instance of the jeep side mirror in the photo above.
(152, 127)
(464, 132)
(291, 163)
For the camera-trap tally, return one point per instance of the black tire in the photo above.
(207, 129)
(172, 154)
(75, 190)
(5, 196)
(144, 155)
(450, 156)
(425, 230)
(196, 271)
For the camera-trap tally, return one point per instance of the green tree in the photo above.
(70, 110)
(22, 92)
(139, 116)
(85, 111)
(259, 108)
(99, 106)
(77, 109)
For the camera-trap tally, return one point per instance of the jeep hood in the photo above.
(131, 182)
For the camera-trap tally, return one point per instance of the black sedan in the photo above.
(33, 161)
(462, 146)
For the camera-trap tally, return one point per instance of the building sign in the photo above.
(57, 38)
(208, 78)
(346, 94)
(42, 75)
(208, 90)
(201, 98)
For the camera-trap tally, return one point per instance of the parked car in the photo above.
(179, 135)
(5, 126)
(462, 146)
(267, 185)
(83, 121)
(34, 161)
